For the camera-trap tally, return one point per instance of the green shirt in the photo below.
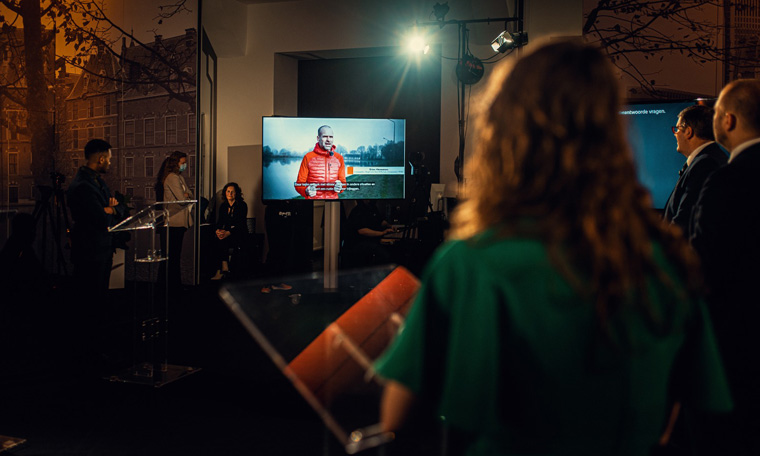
(509, 353)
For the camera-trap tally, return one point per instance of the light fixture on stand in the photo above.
(470, 69)
(506, 41)
(440, 11)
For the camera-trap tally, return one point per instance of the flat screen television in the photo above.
(371, 153)
(654, 146)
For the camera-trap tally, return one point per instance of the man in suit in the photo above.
(696, 142)
(726, 234)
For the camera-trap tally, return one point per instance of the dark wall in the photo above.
(379, 87)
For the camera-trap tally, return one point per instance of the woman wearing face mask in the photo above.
(171, 186)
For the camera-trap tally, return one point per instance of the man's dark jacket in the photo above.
(88, 196)
(683, 198)
(726, 234)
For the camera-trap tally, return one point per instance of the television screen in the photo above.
(654, 146)
(332, 158)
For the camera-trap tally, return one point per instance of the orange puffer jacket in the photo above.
(321, 168)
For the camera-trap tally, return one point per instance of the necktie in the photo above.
(683, 169)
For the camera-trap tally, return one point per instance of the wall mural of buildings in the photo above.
(73, 70)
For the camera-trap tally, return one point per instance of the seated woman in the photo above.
(564, 317)
(231, 228)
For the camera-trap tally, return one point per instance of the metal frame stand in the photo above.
(331, 244)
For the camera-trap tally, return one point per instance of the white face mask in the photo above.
(182, 167)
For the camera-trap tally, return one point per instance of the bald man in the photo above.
(726, 234)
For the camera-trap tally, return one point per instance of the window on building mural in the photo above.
(74, 166)
(91, 108)
(82, 109)
(171, 129)
(149, 193)
(75, 138)
(129, 133)
(13, 194)
(129, 167)
(148, 166)
(191, 128)
(129, 191)
(12, 163)
(107, 107)
(12, 125)
(107, 133)
(150, 132)
(90, 133)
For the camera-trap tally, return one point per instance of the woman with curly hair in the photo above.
(563, 313)
(231, 227)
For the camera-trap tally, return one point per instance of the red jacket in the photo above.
(322, 168)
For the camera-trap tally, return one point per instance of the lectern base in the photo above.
(156, 375)
(6, 443)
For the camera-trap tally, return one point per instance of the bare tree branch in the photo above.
(654, 29)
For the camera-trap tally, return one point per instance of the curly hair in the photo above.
(169, 165)
(238, 192)
(553, 151)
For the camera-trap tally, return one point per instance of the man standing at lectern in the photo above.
(322, 174)
(94, 210)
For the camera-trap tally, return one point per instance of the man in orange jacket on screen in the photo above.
(322, 174)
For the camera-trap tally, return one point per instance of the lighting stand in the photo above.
(462, 25)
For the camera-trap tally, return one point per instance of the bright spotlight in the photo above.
(506, 41)
(418, 44)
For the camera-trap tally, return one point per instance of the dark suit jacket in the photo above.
(678, 209)
(87, 197)
(726, 234)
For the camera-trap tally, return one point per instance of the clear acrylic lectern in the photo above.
(151, 299)
(324, 340)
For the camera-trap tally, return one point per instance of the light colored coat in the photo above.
(180, 215)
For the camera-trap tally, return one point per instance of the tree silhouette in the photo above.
(85, 26)
(655, 29)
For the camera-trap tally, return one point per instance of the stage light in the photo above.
(440, 11)
(418, 43)
(506, 41)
